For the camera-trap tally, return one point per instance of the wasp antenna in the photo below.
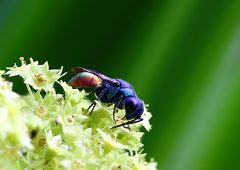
(128, 123)
(123, 124)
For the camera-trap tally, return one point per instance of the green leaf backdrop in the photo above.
(182, 57)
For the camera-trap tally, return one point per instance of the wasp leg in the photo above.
(127, 127)
(114, 111)
(94, 103)
(102, 93)
(129, 122)
(120, 99)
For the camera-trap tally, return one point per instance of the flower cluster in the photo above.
(46, 130)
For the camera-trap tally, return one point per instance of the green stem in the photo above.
(29, 90)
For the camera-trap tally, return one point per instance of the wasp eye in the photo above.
(130, 105)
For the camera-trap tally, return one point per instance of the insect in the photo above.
(110, 90)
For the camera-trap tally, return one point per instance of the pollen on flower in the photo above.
(41, 111)
(78, 164)
(70, 120)
(119, 120)
(39, 78)
(41, 142)
(118, 167)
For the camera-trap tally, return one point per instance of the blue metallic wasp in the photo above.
(109, 90)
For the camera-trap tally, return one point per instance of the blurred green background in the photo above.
(182, 57)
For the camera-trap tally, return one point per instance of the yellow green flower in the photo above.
(35, 75)
(46, 130)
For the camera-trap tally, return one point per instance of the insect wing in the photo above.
(100, 75)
